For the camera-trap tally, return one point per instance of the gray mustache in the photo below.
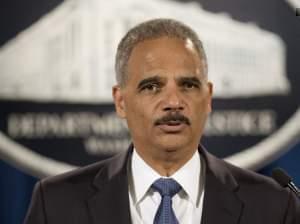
(172, 117)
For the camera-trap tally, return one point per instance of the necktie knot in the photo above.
(166, 186)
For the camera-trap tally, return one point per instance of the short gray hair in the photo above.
(153, 29)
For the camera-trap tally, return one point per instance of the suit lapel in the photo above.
(110, 201)
(221, 203)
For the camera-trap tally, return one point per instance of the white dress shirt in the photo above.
(144, 201)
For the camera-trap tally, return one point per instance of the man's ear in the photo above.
(119, 101)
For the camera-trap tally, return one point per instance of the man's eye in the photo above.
(190, 85)
(153, 87)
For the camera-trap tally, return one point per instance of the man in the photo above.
(164, 94)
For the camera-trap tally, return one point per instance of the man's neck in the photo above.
(167, 163)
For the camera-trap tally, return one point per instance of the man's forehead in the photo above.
(152, 49)
(165, 56)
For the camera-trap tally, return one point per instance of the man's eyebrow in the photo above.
(148, 80)
(192, 79)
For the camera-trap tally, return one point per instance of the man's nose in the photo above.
(173, 101)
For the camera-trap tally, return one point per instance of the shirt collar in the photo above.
(188, 177)
(143, 176)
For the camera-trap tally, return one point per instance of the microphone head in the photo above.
(281, 177)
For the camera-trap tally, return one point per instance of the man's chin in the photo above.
(172, 142)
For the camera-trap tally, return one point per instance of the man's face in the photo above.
(166, 98)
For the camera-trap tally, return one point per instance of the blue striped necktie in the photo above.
(167, 187)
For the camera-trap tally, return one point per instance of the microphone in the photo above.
(285, 180)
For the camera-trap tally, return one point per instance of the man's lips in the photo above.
(172, 122)
(172, 127)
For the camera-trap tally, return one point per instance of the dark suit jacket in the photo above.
(98, 194)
